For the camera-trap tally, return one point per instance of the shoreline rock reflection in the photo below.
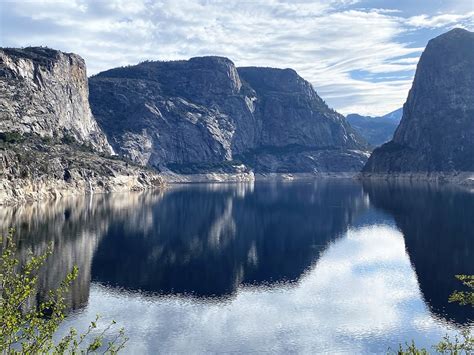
(438, 227)
(208, 240)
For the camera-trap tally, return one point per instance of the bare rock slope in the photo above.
(45, 92)
(436, 133)
(50, 144)
(205, 115)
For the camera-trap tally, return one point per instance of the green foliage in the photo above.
(68, 139)
(47, 140)
(454, 346)
(463, 344)
(411, 349)
(86, 147)
(464, 297)
(11, 137)
(31, 331)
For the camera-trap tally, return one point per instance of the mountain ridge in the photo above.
(223, 116)
(376, 129)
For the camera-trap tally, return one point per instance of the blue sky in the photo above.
(359, 55)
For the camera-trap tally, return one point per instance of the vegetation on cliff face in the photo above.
(27, 329)
(34, 168)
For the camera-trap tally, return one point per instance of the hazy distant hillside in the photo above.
(376, 130)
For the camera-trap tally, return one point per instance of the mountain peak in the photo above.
(211, 60)
(275, 79)
(455, 40)
(455, 32)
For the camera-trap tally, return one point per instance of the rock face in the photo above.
(34, 171)
(45, 92)
(299, 132)
(205, 115)
(436, 133)
(376, 130)
(50, 144)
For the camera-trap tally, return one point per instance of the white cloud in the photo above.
(326, 41)
(441, 20)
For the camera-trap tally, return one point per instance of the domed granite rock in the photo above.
(436, 133)
(205, 115)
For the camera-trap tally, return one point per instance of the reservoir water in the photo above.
(307, 266)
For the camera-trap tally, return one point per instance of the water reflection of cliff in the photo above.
(208, 239)
(74, 227)
(438, 227)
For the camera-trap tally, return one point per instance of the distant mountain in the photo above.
(436, 133)
(204, 115)
(376, 130)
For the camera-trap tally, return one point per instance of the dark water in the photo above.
(309, 267)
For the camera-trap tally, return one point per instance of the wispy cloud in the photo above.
(443, 20)
(326, 41)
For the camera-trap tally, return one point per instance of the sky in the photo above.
(360, 55)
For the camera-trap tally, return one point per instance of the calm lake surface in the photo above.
(307, 266)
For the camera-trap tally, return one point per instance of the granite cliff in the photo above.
(436, 133)
(205, 115)
(45, 92)
(50, 144)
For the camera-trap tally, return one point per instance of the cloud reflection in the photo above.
(361, 296)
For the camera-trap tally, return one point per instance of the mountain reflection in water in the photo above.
(208, 240)
(263, 266)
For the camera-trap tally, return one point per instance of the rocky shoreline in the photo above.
(22, 191)
(456, 178)
(34, 173)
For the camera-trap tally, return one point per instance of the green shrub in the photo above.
(31, 331)
(11, 137)
(464, 298)
(460, 344)
(68, 139)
